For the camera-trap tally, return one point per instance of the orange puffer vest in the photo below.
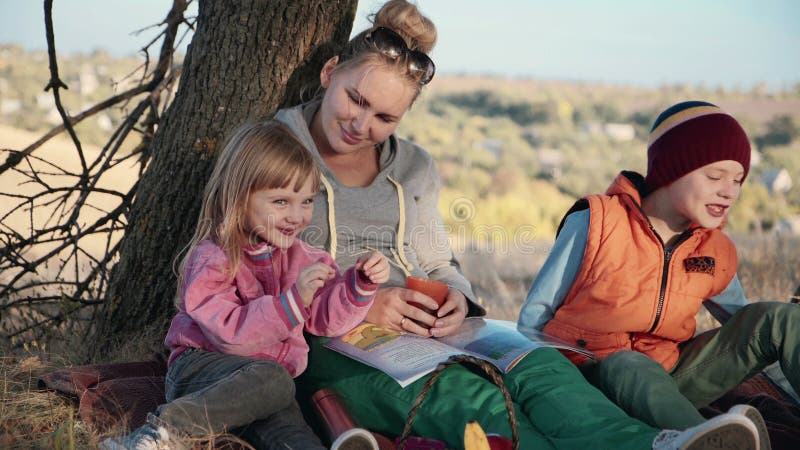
(632, 294)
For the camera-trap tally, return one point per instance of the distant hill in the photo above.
(512, 153)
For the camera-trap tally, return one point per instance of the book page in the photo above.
(408, 357)
(495, 341)
(404, 357)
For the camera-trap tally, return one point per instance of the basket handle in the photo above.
(490, 370)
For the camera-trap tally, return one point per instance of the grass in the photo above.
(33, 419)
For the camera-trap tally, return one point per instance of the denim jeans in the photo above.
(210, 392)
(710, 364)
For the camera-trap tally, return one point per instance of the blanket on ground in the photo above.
(121, 395)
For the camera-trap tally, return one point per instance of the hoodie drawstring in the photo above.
(399, 255)
(401, 229)
(331, 215)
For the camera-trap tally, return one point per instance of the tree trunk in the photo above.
(247, 59)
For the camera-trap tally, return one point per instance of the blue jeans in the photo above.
(209, 393)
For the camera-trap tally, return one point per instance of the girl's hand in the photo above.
(373, 267)
(312, 278)
(451, 314)
(391, 310)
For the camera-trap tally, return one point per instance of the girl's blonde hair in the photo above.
(257, 156)
(403, 18)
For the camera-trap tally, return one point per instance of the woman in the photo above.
(380, 193)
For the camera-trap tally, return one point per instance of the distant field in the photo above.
(61, 153)
(756, 108)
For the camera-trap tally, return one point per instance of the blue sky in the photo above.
(733, 43)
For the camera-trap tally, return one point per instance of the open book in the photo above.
(408, 357)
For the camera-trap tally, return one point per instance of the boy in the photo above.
(631, 268)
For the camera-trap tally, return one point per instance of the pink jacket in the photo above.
(258, 312)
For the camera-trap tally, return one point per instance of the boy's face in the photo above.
(705, 195)
(276, 216)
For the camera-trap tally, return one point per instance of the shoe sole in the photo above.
(357, 443)
(755, 416)
(732, 436)
(355, 439)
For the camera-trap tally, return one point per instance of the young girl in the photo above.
(247, 291)
(631, 268)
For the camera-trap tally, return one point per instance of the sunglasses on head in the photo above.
(394, 46)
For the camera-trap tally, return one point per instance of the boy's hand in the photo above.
(373, 267)
(312, 278)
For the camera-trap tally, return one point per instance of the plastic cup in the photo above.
(432, 288)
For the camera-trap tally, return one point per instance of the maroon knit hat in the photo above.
(690, 135)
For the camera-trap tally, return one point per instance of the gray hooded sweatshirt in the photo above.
(363, 219)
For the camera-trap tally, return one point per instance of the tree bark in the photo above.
(247, 58)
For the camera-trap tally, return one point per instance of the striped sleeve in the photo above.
(290, 308)
(362, 290)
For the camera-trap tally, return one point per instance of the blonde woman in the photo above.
(380, 192)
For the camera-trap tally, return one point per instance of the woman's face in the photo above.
(362, 106)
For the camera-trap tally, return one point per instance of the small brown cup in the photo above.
(432, 288)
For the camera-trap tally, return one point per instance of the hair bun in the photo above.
(405, 19)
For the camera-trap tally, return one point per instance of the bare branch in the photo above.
(58, 242)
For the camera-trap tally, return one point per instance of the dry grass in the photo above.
(61, 153)
(39, 419)
(769, 269)
(33, 419)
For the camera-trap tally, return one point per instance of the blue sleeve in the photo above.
(726, 303)
(555, 279)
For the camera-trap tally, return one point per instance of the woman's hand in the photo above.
(451, 314)
(391, 310)
(312, 278)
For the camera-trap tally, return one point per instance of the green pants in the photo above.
(555, 406)
(710, 365)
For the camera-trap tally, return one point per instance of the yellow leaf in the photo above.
(474, 437)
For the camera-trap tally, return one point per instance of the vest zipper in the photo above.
(665, 271)
(667, 257)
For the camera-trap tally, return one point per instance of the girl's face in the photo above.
(276, 216)
(362, 107)
(705, 195)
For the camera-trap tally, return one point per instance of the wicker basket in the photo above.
(493, 374)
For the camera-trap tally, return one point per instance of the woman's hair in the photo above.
(256, 156)
(406, 20)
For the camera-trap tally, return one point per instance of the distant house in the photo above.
(755, 157)
(10, 105)
(788, 225)
(621, 132)
(87, 80)
(493, 146)
(531, 136)
(777, 180)
(550, 162)
(592, 128)
(45, 101)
